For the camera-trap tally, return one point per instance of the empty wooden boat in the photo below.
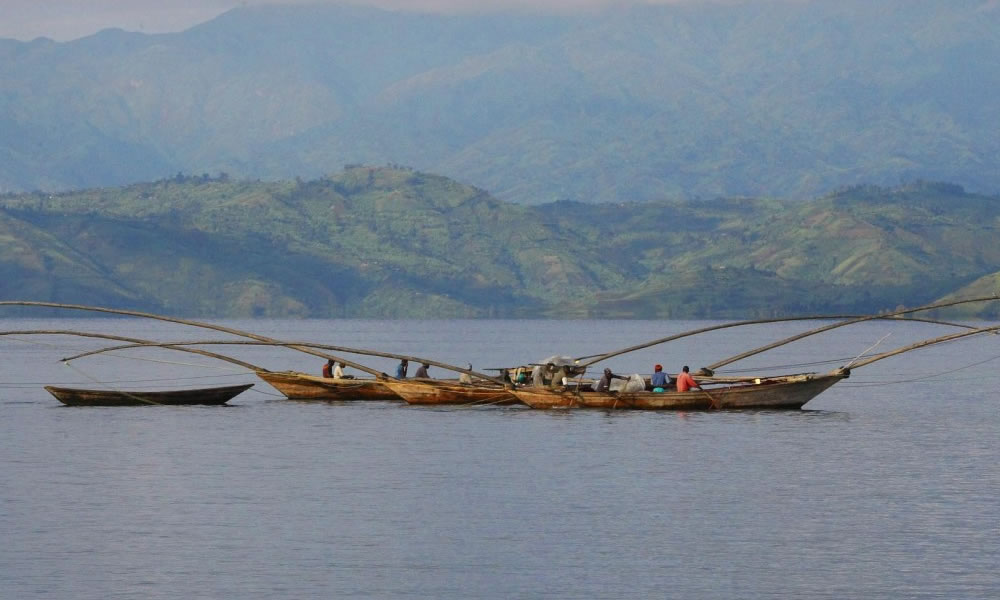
(81, 397)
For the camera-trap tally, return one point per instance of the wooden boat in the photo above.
(786, 391)
(300, 386)
(441, 392)
(80, 397)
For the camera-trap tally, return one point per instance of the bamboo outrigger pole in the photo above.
(134, 341)
(253, 336)
(924, 343)
(846, 319)
(180, 345)
(710, 368)
(602, 357)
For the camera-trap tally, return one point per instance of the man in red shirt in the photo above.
(685, 382)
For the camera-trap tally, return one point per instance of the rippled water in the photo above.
(886, 487)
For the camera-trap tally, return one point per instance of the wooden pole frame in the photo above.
(247, 334)
(134, 341)
(844, 320)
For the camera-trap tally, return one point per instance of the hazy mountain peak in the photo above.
(641, 102)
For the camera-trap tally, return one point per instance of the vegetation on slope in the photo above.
(392, 242)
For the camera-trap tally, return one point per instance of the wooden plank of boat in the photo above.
(81, 397)
(300, 386)
(438, 392)
(792, 391)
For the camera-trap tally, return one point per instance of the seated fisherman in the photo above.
(604, 385)
(685, 382)
(659, 380)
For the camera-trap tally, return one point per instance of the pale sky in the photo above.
(70, 19)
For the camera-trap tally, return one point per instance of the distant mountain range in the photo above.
(640, 103)
(391, 242)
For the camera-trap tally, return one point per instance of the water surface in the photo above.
(885, 487)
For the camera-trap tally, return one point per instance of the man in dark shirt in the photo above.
(604, 385)
(422, 372)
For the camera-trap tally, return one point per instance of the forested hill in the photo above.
(786, 98)
(391, 242)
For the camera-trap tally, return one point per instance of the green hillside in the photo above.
(392, 242)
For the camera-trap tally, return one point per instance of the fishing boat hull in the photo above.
(436, 392)
(299, 386)
(209, 396)
(787, 392)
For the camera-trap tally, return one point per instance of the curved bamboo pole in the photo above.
(247, 334)
(134, 341)
(924, 343)
(710, 368)
(179, 345)
(191, 323)
(602, 357)
(683, 334)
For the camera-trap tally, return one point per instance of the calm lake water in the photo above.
(887, 486)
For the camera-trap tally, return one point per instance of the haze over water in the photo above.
(885, 487)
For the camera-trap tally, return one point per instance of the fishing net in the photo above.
(563, 361)
(635, 383)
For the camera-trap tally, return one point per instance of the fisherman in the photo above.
(685, 382)
(401, 369)
(338, 371)
(465, 377)
(422, 372)
(559, 378)
(328, 368)
(604, 385)
(659, 381)
(537, 376)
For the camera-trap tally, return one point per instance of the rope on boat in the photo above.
(44, 344)
(86, 334)
(267, 393)
(866, 350)
(133, 396)
(179, 363)
(812, 332)
(937, 341)
(33, 384)
(500, 398)
(923, 378)
(817, 363)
